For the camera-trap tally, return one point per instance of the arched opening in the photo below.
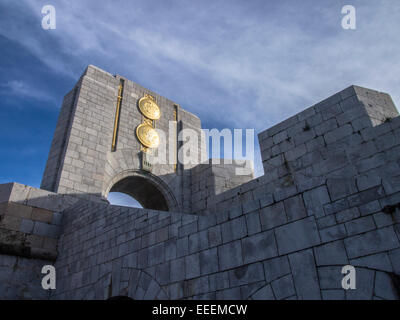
(142, 189)
(123, 199)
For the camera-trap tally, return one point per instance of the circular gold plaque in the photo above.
(149, 108)
(147, 135)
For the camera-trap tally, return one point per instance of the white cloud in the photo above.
(246, 64)
(23, 89)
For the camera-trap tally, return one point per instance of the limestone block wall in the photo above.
(330, 197)
(324, 137)
(30, 223)
(351, 145)
(59, 143)
(262, 252)
(213, 178)
(20, 278)
(81, 161)
(90, 118)
(281, 236)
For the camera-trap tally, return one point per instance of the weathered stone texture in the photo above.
(329, 197)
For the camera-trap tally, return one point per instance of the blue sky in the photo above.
(236, 64)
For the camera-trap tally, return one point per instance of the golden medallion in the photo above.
(147, 135)
(149, 108)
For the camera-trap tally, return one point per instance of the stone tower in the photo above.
(96, 149)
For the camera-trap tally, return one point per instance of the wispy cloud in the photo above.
(234, 63)
(273, 61)
(25, 90)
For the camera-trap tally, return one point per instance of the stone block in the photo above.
(391, 184)
(297, 235)
(296, 152)
(8, 261)
(17, 193)
(235, 212)
(333, 207)
(361, 151)
(338, 133)
(284, 193)
(5, 192)
(219, 281)
(26, 226)
(198, 241)
(196, 286)
(156, 254)
(370, 207)
(326, 222)
(208, 261)
(265, 293)
(373, 162)
(394, 257)
(170, 249)
(333, 253)
(266, 200)
(386, 141)
(246, 274)
(371, 242)
(330, 111)
(250, 206)
(230, 255)
(130, 260)
(188, 229)
(233, 229)
(192, 266)
(341, 187)
(305, 136)
(368, 180)
(259, 247)
(360, 225)
(182, 246)
(46, 230)
(273, 216)
(214, 236)
(19, 210)
(229, 294)
(305, 275)
(330, 277)
(33, 240)
(333, 233)
(335, 159)
(283, 287)
(378, 261)
(10, 222)
(366, 196)
(42, 215)
(326, 126)
(347, 215)
(279, 137)
(276, 268)
(294, 208)
(177, 269)
(253, 223)
(315, 199)
(57, 218)
(383, 219)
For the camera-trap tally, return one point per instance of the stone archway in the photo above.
(149, 190)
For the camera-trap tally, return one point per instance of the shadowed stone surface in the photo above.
(330, 197)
